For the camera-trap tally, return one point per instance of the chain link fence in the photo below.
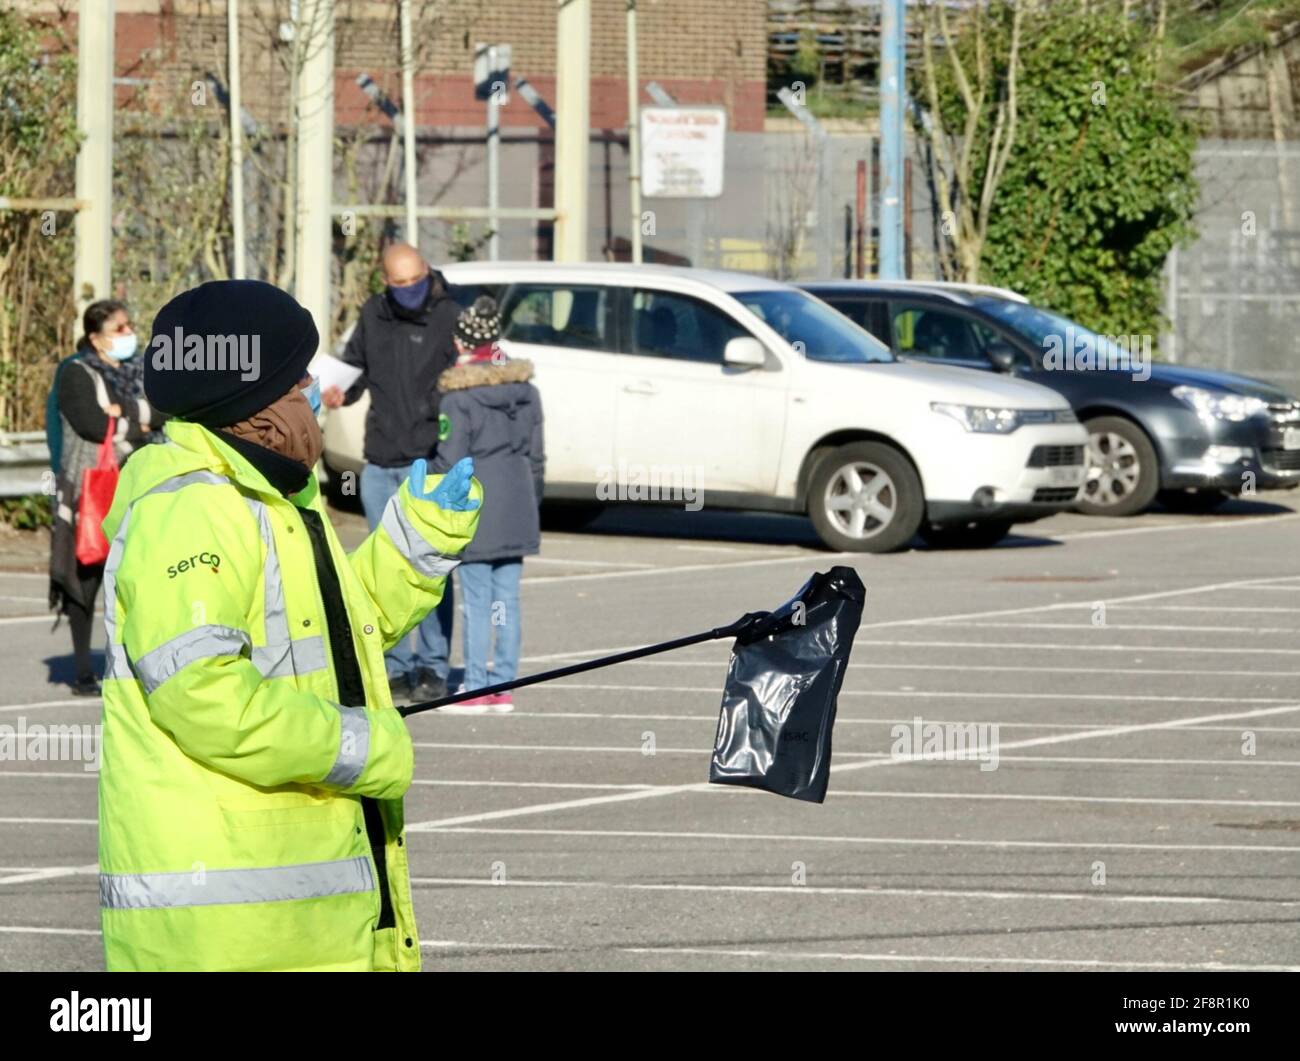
(1233, 297)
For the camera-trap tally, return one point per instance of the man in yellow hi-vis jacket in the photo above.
(253, 765)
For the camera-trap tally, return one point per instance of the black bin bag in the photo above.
(778, 706)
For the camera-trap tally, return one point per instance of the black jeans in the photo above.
(82, 620)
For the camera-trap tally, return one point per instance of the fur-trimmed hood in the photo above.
(485, 374)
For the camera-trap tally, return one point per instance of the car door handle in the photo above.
(642, 386)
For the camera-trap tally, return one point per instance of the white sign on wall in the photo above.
(682, 151)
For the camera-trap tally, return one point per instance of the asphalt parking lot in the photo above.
(1144, 812)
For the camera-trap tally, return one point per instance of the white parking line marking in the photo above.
(935, 959)
(1021, 646)
(1105, 627)
(1025, 797)
(927, 620)
(1117, 698)
(41, 930)
(872, 841)
(631, 748)
(1110, 731)
(54, 871)
(1209, 587)
(1200, 608)
(449, 944)
(49, 821)
(585, 563)
(1249, 761)
(876, 758)
(811, 889)
(720, 664)
(694, 548)
(841, 720)
(811, 558)
(41, 705)
(1240, 521)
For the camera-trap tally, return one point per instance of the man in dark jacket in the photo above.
(402, 343)
(491, 412)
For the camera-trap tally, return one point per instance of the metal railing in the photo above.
(24, 463)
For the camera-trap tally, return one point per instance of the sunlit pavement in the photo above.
(1144, 676)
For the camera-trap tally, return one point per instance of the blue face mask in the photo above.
(412, 296)
(122, 347)
(312, 394)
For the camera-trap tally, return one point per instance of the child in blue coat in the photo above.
(491, 412)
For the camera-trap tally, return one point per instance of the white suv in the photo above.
(764, 397)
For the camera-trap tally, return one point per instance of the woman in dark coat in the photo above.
(102, 379)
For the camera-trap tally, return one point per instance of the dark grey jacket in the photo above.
(492, 413)
(401, 354)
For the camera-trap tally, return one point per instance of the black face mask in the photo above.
(412, 296)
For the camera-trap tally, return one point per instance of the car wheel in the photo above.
(1123, 473)
(1193, 501)
(965, 535)
(865, 498)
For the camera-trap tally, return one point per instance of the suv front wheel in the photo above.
(865, 498)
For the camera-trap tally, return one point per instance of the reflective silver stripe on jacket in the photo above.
(354, 746)
(117, 666)
(411, 544)
(202, 642)
(281, 656)
(294, 657)
(309, 880)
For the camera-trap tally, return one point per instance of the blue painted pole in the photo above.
(892, 89)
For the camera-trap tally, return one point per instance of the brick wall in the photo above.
(701, 51)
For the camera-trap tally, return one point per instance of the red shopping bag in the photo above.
(98, 484)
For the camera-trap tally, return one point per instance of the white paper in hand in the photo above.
(335, 373)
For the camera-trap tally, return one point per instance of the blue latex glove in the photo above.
(452, 494)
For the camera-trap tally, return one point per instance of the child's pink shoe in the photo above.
(478, 705)
(502, 703)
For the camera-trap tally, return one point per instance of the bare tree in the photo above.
(969, 159)
(793, 193)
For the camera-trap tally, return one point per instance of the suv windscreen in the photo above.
(809, 325)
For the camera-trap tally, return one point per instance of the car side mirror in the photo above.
(744, 352)
(1003, 355)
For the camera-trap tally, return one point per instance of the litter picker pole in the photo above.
(742, 624)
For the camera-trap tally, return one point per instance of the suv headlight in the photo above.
(990, 420)
(1217, 405)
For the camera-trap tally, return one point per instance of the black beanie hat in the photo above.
(480, 324)
(226, 349)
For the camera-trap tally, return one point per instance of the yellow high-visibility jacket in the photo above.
(247, 819)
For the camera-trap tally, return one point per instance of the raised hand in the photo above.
(452, 493)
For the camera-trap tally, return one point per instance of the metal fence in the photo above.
(1233, 297)
(789, 209)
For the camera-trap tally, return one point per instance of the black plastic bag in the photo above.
(778, 707)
